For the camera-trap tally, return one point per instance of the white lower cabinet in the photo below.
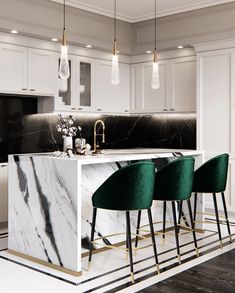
(111, 98)
(177, 92)
(3, 193)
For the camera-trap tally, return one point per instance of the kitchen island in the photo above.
(50, 205)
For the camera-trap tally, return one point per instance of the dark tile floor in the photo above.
(214, 276)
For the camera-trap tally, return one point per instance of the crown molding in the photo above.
(164, 12)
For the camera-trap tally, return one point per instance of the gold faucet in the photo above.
(95, 136)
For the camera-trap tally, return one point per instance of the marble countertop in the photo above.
(118, 155)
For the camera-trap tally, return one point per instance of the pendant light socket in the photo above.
(64, 38)
(114, 52)
(155, 56)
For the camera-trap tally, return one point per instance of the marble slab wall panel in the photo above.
(24, 132)
(43, 212)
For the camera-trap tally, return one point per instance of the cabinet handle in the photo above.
(172, 109)
(32, 90)
(73, 108)
(24, 89)
(80, 109)
(165, 110)
(126, 111)
(99, 109)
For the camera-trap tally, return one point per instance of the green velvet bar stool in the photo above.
(174, 183)
(128, 189)
(211, 177)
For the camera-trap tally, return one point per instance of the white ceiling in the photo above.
(139, 10)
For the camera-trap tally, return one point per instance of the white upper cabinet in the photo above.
(13, 64)
(111, 98)
(76, 93)
(85, 83)
(177, 90)
(144, 98)
(183, 84)
(41, 71)
(26, 71)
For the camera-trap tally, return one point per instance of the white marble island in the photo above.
(50, 203)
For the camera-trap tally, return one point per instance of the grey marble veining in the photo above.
(24, 131)
(43, 209)
(50, 206)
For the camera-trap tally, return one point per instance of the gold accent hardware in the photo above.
(114, 51)
(230, 238)
(197, 252)
(64, 38)
(95, 136)
(121, 248)
(158, 268)
(89, 266)
(155, 56)
(221, 245)
(208, 214)
(132, 278)
(179, 260)
(44, 263)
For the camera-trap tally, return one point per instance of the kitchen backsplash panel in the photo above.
(37, 132)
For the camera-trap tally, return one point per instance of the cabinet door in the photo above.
(109, 97)
(215, 103)
(13, 64)
(66, 98)
(183, 97)
(85, 83)
(3, 193)
(41, 71)
(144, 98)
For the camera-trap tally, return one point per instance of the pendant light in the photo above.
(155, 83)
(115, 78)
(64, 71)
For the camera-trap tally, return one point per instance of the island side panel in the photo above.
(43, 213)
(112, 222)
(109, 222)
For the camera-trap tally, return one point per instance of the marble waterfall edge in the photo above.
(50, 206)
(43, 210)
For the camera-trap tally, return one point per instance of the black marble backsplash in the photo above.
(21, 131)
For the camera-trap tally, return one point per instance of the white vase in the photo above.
(67, 143)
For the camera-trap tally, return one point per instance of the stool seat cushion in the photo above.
(211, 177)
(175, 180)
(129, 188)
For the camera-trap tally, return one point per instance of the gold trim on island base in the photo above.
(45, 263)
(102, 249)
